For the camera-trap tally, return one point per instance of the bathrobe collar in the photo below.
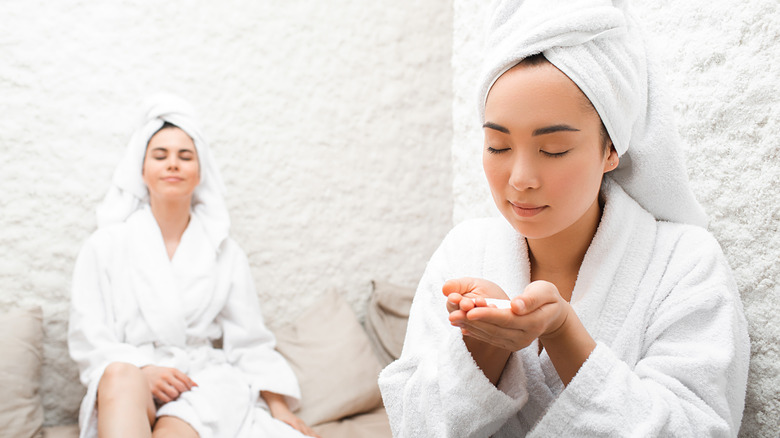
(161, 283)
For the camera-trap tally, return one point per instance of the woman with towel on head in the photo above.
(156, 285)
(597, 305)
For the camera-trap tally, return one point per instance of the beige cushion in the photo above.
(386, 318)
(67, 431)
(333, 360)
(21, 353)
(374, 424)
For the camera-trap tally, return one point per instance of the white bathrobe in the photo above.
(130, 303)
(659, 299)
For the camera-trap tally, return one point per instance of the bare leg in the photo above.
(172, 427)
(125, 404)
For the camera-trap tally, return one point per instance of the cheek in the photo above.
(148, 170)
(193, 170)
(576, 184)
(494, 171)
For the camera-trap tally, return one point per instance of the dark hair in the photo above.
(166, 125)
(538, 59)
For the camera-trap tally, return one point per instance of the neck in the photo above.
(172, 217)
(558, 258)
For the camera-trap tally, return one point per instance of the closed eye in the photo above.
(496, 151)
(554, 155)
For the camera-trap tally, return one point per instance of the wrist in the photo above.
(276, 403)
(563, 329)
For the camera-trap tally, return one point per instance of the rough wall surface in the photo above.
(330, 122)
(722, 67)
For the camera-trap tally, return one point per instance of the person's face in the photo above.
(543, 154)
(171, 170)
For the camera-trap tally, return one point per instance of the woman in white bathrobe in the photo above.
(156, 286)
(597, 305)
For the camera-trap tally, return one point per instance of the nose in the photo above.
(173, 162)
(525, 173)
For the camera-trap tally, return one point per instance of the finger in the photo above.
(457, 318)
(183, 379)
(466, 304)
(493, 315)
(160, 395)
(532, 323)
(480, 302)
(178, 385)
(458, 285)
(535, 295)
(168, 390)
(507, 339)
(453, 302)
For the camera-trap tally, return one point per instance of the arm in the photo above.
(436, 388)
(248, 344)
(92, 341)
(690, 377)
(279, 410)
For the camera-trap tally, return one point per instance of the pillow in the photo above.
(21, 347)
(333, 360)
(386, 318)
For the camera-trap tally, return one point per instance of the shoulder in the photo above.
(689, 243)
(230, 253)
(695, 267)
(107, 237)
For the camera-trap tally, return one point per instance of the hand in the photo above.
(282, 412)
(295, 422)
(167, 384)
(464, 294)
(538, 312)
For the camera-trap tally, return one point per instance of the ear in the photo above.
(612, 160)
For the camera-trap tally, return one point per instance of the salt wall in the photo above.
(330, 122)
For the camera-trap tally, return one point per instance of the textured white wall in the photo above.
(722, 66)
(330, 122)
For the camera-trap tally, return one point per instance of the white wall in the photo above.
(330, 122)
(722, 67)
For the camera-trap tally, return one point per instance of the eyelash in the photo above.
(557, 155)
(496, 151)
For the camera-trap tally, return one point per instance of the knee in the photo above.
(117, 377)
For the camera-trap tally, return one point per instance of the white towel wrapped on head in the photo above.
(128, 192)
(599, 45)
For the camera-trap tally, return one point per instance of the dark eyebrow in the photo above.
(168, 150)
(552, 129)
(498, 128)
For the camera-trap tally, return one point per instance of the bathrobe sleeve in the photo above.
(690, 379)
(436, 389)
(247, 342)
(92, 341)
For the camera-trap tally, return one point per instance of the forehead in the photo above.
(171, 138)
(537, 90)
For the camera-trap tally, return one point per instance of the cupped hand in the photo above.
(167, 384)
(538, 312)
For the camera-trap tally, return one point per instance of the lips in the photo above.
(172, 179)
(526, 210)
